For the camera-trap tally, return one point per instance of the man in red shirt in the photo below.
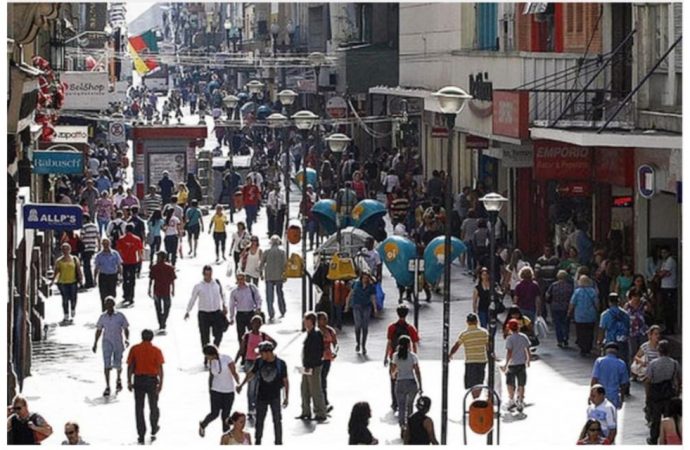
(395, 331)
(162, 287)
(131, 250)
(145, 376)
(251, 196)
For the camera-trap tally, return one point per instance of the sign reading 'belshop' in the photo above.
(559, 161)
(86, 90)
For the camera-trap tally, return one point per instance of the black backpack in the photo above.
(401, 329)
(116, 232)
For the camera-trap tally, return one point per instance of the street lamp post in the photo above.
(230, 103)
(287, 98)
(337, 142)
(492, 203)
(254, 87)
(452, 100)
(227, 25)
(304, 121)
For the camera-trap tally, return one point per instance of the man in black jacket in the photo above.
(312, 353)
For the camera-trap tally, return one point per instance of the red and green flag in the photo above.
(141, 46)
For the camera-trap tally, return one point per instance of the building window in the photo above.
(660, 24)
(486, 15)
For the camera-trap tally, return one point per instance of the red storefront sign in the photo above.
(511, 114)
(559, 161)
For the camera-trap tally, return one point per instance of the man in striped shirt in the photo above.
(476, 342)
(151, 202)
(90, 237)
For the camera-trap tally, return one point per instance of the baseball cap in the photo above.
(611, 345)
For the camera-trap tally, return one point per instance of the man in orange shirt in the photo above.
(145, 376)
(131, 250)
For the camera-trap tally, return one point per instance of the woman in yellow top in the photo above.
(218, 225)
(68, 275)
(182, 194)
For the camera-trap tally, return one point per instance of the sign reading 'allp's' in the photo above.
(52, 217)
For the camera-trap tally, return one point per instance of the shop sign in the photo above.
(71, 134)
(58, 162)
(511, 114)
(86, 90)
(559, 161)
(646, 180)
(574, 189)
(517, 157)
(52, 217)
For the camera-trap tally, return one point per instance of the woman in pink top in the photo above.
(330, 346)
(248, 345)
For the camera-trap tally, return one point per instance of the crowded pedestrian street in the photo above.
(221, 231)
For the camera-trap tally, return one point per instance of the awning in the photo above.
(400, 91)
(23, 97)
(590, 138)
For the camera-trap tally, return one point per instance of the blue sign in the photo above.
(52, 217)
(58, 162)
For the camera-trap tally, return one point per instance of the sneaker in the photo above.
(321, 419)
(72, 314)
(66, 318)
(202, 431)
(357, 348)
(364, 351)
(520, 405)
(154, 431)
(329, 408)
(510, 405)
(118, 386)
(140, 440)
(106, 393)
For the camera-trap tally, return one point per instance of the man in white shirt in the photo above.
(275, 206)
(668, 272)
(212, 309)
(602, 410)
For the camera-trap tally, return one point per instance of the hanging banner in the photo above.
(86, 90)
(52, 217)
(57, 162)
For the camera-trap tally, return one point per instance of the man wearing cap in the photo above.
(145, 377)
(612, 373)
(476, 342)
(517, 361)
(272, 267)
(166, 186)
(273, 377)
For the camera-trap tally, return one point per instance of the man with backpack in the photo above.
(614, 326)
(395, 330)
(116, 229)
(212, 309)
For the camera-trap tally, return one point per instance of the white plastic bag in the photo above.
(540, 327)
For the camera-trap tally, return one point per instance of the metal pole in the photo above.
(304, 231)
(450, 120)
(286, 171)
(416, 293)
(492, 312)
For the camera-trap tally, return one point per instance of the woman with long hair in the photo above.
(591, 434)
(358, 426)
(404, 369)
(251, 261)
(513, 269)
(239, 239)
(481, 297)
(172, 228)
(155, 225)
(237, 435)
(222, 379)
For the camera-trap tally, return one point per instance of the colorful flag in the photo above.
(139, 47)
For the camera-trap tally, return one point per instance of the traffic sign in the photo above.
(116, 133)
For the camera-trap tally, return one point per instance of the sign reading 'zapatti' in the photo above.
(58, 162)
(52, 217)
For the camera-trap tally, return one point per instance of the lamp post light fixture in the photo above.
(452, 100)
(277, 121)
(230, 103)
(493, 203)
(287, 97)
(304, 121)
(337, 142)
(254, 87)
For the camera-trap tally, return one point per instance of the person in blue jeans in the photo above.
(558, 295)
(362, 301)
